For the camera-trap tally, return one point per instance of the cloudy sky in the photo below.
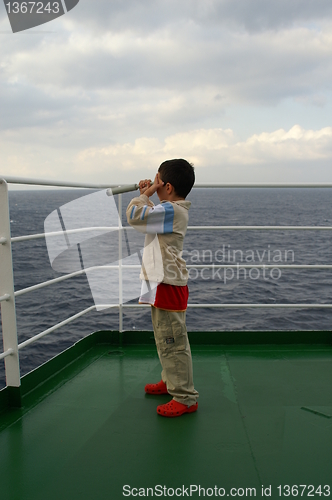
(241, 88)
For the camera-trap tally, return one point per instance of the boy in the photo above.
(164, 279)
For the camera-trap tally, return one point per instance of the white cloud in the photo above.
(218, 156)
(208, 149)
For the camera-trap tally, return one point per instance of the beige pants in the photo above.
(173, 348)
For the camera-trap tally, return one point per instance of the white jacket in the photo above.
(165, 226)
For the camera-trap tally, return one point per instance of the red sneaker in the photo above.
(159, 388)
(175, 409)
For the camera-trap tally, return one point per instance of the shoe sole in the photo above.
(156, 393)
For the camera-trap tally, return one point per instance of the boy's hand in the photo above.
(144, 185)
(156, 185)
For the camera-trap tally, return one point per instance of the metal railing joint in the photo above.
(5, 297)
(6, 353)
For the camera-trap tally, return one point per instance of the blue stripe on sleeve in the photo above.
(132, 211)
(155, 220)
(169, 217)
(143, 213)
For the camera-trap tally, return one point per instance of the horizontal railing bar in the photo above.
(5, 297)
(263, 306)
(6, 353)
(122, 189)
(62, 278)
(49, 182)
(135, 306)
(59, 325)
(132, 306)
(55, 327)
(84, 185)
(59, 233)
(266, 185)
(267, 266)
(190, 228)
(31, 237)
(260, 228)
(235, 266)
(47, 283)
(233, 306)
(191, 266)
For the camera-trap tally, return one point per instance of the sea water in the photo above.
(41, 309)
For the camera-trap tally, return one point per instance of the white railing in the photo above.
(7, 294)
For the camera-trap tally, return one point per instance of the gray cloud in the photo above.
(147, 16)
(26, 105)
(260, 15)
(114, 72)
(264, 67)
(150, 15)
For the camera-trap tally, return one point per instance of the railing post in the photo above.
(120, 266)
(8, 313)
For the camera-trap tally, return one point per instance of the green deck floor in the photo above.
(94, 430)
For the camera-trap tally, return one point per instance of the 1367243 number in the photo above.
(304, 490)
(33, 8)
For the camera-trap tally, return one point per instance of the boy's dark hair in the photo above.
(180, 174)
